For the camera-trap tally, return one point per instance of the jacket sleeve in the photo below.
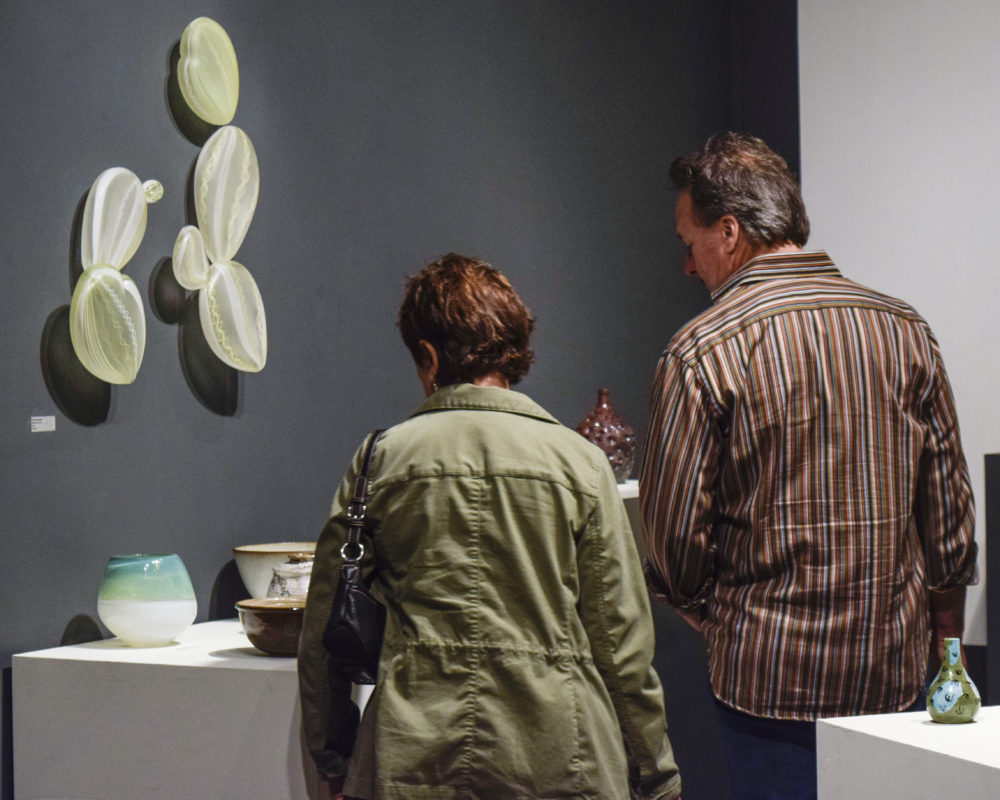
(677, 484)
(329, 716)
(614, 608)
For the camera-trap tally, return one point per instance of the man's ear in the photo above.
(731, 232)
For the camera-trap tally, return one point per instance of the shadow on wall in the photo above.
(227, 590)
(188, 124)
(216, 385)
(81, 396)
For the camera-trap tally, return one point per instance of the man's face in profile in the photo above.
(705, 255)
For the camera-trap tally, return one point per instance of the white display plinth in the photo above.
(207, 717)
(906, 756)
(629, 490)
(630, 494)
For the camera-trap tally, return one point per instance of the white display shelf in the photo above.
(905, 756)
(629, 490)
(207, 717)
(630, 494)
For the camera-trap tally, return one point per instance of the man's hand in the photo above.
(947, 622)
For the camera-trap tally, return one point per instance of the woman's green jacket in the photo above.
(517, 659)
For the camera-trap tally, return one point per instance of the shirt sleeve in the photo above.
(945, 508)
(677, 483)
(614, 610)
(329, 716)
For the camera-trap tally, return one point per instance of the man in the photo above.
(804, 496)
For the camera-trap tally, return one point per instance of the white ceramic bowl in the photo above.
(256, 562)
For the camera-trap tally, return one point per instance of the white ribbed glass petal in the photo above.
(114, 219)
(190, 263)
(107, 324)
(226, 183)
(232, 317)
(207, 72)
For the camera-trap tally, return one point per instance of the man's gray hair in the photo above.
(737, 174)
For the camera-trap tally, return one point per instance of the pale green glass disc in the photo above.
(107, 324)
(232, 317)
(226, 185)
(208, 72)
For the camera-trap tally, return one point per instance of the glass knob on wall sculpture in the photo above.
(146, 600)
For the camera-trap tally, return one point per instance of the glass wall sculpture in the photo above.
(226, 185)
(107, 321)
(226, 182)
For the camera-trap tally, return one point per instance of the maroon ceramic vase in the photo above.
(607, 430)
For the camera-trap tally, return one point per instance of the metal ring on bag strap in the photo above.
(352, 559)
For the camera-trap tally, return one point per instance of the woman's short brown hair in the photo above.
(472, 316)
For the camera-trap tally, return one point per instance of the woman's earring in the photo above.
(434, 386)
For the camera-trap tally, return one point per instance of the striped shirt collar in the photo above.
(816, 264)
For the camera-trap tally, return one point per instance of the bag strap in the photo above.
(356, 508)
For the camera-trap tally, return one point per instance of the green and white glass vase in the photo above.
(146, 599)
(953, 697)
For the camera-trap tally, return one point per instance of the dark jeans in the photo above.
(772, 759)
(768, 759)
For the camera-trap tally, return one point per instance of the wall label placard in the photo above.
(43, 424)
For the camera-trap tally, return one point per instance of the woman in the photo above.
(517, 658)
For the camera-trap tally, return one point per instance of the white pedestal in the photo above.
(208, 718)
(906, 756)
(630, 494)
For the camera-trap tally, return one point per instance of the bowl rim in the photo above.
(276, 548)
(271, 604)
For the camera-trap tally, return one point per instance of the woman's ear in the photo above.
(429, 355)
(427, 366)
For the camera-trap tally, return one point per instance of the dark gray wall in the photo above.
(535, 135)
(765, 74)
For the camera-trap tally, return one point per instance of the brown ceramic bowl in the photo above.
(273, 624)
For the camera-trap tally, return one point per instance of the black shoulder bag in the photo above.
(353, 635)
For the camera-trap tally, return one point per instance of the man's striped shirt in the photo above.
(803, 477)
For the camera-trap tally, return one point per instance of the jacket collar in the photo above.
(483, 398)
(816, 264)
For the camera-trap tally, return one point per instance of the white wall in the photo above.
(901, 176)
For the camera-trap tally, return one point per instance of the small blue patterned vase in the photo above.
(953, 697)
